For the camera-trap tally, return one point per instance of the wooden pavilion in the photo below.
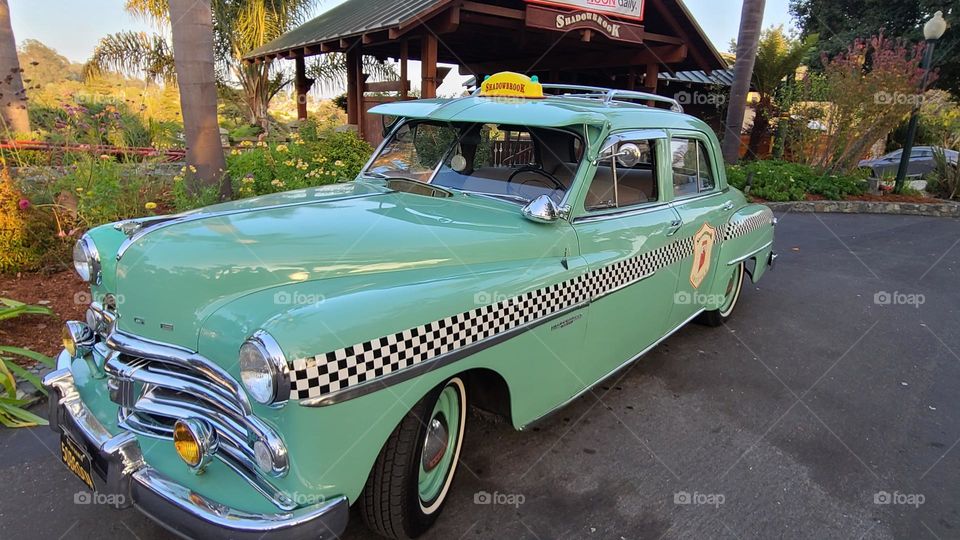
(612, 43)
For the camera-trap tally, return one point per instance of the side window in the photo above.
(692, 171)
(626, 177)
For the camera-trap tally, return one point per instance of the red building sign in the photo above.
(627, 9)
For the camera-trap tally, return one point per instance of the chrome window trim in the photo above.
(615, 213)
(700, 192)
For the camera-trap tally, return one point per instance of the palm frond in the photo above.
(134, 54)
(330, 71)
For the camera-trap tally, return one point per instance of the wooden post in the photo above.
(650, 80)
(428, 59)
(404, 58)
(354, 92)
(302, 85)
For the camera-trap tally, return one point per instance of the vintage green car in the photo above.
(256, 367)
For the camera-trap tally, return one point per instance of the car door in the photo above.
(624, 228)
(704, 208)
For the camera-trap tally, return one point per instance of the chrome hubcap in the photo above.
(435, 443)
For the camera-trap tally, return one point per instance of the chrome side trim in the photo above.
(633, 359)
(187, 218)
(739, 260)
(416, 370)
(698, 197)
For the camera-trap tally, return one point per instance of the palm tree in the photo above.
(751, 21)
(778, 57)
(13, 97)
(133, 54)
(193, 42)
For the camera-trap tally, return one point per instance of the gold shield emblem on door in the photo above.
(702, 250)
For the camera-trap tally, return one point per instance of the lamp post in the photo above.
(932, 31)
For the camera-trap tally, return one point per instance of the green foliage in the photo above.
(245, 131)
(944, 181)
(781, 181)
(16, 253)
(274, 167)
(13, 411)
(839, 22)
(104, 191)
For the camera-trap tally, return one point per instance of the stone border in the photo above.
(936, 209)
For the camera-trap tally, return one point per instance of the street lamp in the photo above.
(932, 31)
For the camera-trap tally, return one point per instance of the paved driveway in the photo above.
(788, 423)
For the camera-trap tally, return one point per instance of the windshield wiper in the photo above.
(374, 174)
(514, 198)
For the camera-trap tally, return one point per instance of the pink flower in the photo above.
(24, 204)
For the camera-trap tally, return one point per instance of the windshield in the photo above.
(514, 162)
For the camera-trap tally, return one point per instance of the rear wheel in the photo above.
(411, 478)
(731, 296)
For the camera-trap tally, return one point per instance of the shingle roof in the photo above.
(722, 77)
(348, 19)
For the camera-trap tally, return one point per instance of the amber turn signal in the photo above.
(195, 442)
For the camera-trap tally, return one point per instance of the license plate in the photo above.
(76, 460)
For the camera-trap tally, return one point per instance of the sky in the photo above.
(74, 27)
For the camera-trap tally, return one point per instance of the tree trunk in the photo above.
(13, 97)
(751, 23)
(192, 31)
(761, 126)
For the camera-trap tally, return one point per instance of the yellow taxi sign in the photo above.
(509, 84)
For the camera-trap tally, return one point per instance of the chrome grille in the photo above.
(158, 384)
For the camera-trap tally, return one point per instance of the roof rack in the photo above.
(609, 96)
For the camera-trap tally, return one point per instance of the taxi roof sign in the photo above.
(509, 84)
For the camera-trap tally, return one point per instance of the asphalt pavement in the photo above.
(826, 408)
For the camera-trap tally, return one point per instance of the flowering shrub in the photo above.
(262, 168)
(15, 250)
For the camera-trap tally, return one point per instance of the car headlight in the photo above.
(263, 369)
(86, 260)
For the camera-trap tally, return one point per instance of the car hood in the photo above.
(170, 278)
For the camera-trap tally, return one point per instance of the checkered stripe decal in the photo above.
(340, 369)
(746, 226)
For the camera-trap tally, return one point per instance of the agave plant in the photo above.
(944, 181)
(13, 410)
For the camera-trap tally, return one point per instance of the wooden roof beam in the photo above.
(667, 54)
(678, 29)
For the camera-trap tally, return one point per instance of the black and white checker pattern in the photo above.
(746, 226)
(336, 370)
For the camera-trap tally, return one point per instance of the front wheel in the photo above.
(731, 296)
(411, 477)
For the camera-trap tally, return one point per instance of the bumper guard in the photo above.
(118, 469)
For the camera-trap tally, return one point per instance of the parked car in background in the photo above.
(922, 162)
(257, 367)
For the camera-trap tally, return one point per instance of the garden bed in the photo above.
(63, 292)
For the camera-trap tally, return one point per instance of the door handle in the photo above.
(674, 227)
(728, 205)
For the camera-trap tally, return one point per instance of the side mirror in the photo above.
(542, 210)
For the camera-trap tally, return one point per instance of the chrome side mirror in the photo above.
(542, 210)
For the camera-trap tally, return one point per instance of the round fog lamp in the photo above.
(78, 338)
(263, 456)
(194, 442)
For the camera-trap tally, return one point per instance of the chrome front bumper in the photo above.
(118, 469)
